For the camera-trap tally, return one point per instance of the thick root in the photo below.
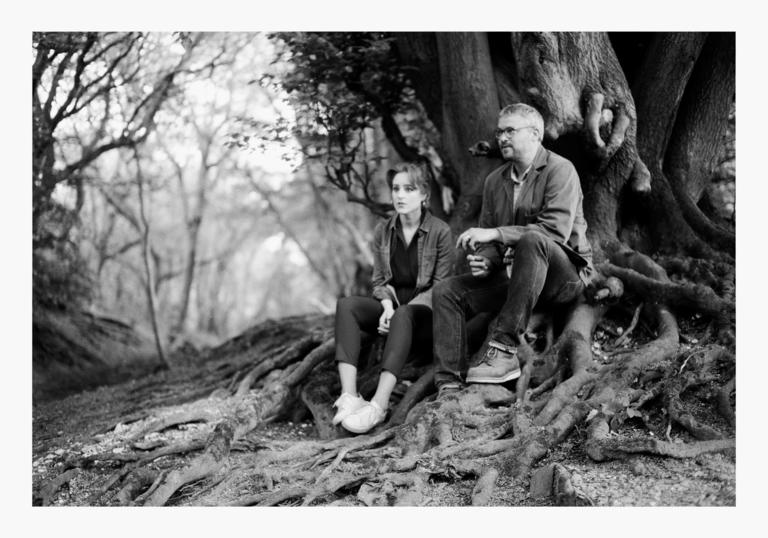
(483, 490)
(724, 402)
(484, 432)
(601, 447)
(49, 489)
(134, 484)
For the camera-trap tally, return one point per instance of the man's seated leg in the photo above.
(541, 271)
(453, 301)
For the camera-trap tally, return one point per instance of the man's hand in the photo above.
(384, 320)
(474, 236)
(509, 255)
(479, 265)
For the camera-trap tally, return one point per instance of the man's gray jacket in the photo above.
(548, 201)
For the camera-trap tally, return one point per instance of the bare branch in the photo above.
(76, 84)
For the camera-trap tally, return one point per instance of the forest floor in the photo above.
(71, 426)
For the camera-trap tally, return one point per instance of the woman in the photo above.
(412, 251)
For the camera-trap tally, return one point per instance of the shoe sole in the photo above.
(509, 377)
(360, 430)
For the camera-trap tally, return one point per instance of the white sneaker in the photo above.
(346, 405)
(365, 418)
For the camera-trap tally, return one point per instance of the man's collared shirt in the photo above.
(517, 183)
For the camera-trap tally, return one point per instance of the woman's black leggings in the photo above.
(356, 315)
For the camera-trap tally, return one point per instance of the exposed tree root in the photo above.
(481, 494)
(181, 447)
(212, 459)
(697, 372)
(693, 296)
(624, 337)
(546, 385)
(601, 447)
(50, 488)
(722, 239)
(136, 482)
(482, 432)
(294, 352)
(243, 415)
(318, 398)
(200, 411)
(563, 491)
(233, 417)
(724, 402)
(415, 393)
(554, 481)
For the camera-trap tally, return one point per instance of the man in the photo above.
(532, 206)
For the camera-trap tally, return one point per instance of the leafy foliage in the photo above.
(341, 81)
(340, 85)
(92, 94)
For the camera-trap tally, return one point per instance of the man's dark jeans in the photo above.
(542, 273)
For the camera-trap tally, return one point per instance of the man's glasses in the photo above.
(509, 131)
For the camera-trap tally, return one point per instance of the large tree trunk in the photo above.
(464, 110)
(699, 134)
(576, 81)
(660, 86)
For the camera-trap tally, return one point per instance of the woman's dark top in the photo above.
(404, 261)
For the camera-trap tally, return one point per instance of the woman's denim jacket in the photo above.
(436, 256)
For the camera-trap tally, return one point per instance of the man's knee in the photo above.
(532, 241)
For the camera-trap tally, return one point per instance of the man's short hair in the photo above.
(528, 112)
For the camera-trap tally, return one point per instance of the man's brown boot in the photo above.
(498, 365)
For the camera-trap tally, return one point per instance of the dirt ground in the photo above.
(71, 426)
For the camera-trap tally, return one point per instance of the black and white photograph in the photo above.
(361, 267)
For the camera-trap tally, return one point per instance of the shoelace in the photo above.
(488, 356)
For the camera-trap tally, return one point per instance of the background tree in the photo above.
(78, 74)
(213, 236)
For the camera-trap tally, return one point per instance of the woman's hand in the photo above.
(389, 311)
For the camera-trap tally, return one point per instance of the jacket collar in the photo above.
(541, 158)
(539, 162)
(424, 226)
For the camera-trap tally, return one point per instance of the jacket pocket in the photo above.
(427, 266)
